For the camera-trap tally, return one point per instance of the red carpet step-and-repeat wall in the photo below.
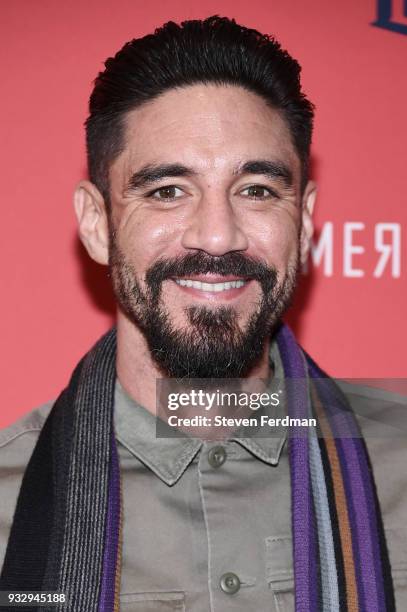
(350, 312)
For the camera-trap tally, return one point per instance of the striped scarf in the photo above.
(66, 531)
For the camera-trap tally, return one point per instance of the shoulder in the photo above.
(16, 446)
(382, 417)
(17, 443)
(32, 422)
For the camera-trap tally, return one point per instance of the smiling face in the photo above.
(207, 227)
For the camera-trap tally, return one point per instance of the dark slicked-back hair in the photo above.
(215, 50)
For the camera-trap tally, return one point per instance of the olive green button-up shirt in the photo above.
(207, 525)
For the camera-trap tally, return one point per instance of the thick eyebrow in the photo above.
(271, 169)
(150, 174)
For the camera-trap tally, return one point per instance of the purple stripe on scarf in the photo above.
(107, 591)
(358, 486)
(367, 525)
(304, 536)
(368, 483)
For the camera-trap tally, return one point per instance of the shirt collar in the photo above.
(135, 429)
(269, 448)
(169, 457)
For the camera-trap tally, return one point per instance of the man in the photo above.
(200, 202)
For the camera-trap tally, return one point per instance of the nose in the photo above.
(215, 228)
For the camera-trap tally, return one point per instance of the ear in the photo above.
(92, 219)
(307, 228)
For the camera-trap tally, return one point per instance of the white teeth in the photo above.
(215, 287)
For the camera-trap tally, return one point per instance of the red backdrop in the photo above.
(350, 311)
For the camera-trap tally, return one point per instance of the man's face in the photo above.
(205, 227)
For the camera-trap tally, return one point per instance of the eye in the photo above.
(166, 193)
(259, 192)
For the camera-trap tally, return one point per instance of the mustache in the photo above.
(234, 263)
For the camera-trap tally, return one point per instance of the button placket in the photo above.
(225, 586)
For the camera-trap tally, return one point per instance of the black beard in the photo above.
(214, 346)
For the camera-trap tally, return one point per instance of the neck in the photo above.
(138, 372)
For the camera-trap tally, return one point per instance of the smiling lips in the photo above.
(212, 284)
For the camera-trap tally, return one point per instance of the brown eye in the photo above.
(257, 192)
(166, 193)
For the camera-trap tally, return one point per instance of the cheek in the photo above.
(276, 239)
(146, 238)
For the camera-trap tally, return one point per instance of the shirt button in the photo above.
(230, 583)
(216, 456)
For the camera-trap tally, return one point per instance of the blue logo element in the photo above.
(392, 15)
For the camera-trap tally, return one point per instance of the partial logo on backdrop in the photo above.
(356, 249)
(392, 15)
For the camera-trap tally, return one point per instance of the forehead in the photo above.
(205, 126)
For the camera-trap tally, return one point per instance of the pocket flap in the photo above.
(168, 601)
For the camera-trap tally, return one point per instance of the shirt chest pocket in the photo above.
(172, 601)
(280, 577)
(279, 572)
